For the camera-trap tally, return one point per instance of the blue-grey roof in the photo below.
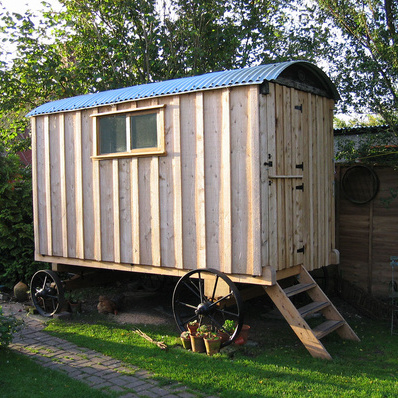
(237, 77)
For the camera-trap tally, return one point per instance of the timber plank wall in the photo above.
(211, 201)
(367, 234)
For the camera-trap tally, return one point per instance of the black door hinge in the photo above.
(300, 187)
(300, 166)
(269, 164)
(301, 250)
(299, 108)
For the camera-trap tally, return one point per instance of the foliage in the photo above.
(367, 68)
(376, 147)
(8, 326)
(16, 220)
(229, 326)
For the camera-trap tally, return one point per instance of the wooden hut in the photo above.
(230, 170)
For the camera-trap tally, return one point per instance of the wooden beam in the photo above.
(47, 174)
(200, 209)
(96, 196)
(34, 186)
(225, 181)
(79, 186)
(64, 208)
(177, 184)
(116, 210)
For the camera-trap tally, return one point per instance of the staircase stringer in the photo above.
(330, 312)
(297, 322)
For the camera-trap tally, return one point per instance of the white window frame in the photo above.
(160, 149)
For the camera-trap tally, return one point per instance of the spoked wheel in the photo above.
(211, 298)
(47, 292)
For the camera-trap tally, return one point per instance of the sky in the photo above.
(21, 6)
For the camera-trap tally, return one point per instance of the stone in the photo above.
(21, 291)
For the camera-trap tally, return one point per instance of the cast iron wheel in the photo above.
(47, 292)
(223, 301)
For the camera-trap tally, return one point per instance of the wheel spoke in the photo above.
(224, 312)
(214, 289)
(215, 322)
(44, 282)
(200, 286)
(186, 305)
(221, 299)
(195, 292)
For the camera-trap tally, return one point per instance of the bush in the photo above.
(8, 326)
(16, 221)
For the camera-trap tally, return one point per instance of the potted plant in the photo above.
(204, 329)
(193, 327)
(185, 340)
(73, 302)
(212, 343)
(197, 342)
(226, 330)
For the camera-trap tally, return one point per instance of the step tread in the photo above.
(299, 288)
(313, 307)
(327, 327)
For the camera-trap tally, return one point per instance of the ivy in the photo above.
(8, 326)
(16, 220)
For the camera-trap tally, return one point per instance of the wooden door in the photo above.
(285, 178)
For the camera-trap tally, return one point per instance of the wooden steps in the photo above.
(327, 327)
(320, 304)
(313, 307)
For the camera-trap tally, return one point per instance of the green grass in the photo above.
(22, 377)
(278, 366)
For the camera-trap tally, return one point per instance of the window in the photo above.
(129, 133)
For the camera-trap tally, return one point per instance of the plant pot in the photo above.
(243, 335)
(186, 342)
(75, 307)
(197, 344)
(224, 336)
(193, 328)
(212, 346)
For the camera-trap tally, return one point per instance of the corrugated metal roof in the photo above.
(238, 77)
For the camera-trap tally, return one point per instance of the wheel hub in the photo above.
(45, 292)
(203, 309)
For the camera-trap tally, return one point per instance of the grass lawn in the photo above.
(278, 366)
(22, 377)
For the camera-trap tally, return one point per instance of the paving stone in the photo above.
(99, 371)
(117, 389)
(130, 395)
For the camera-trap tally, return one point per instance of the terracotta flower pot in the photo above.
(197, 344)
(186, 342)
(193, 328)
(212, 346)
(243, 335)
(224, 336)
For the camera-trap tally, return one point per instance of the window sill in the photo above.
(139, 153)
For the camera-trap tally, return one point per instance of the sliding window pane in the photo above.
(112, 134)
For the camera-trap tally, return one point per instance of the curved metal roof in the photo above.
(237, 77)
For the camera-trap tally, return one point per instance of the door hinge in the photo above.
(299, 108)
(269, 164)
(300, 166)
(300, 187)
(301, 250)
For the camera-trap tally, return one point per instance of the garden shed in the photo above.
(231, 171)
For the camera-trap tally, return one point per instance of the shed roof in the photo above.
(237, 77)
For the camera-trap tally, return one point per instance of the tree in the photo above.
(367, 70)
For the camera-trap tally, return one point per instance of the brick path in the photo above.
(97, 370)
